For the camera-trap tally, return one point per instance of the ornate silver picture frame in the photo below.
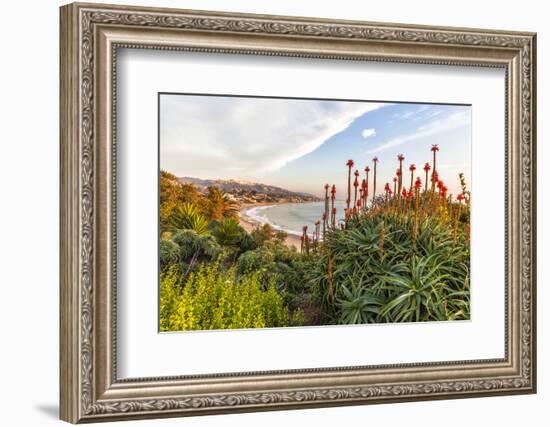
(91, 391)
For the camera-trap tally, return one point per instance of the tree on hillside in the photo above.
(173, 194)
(219, 205)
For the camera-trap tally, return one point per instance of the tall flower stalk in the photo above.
(388, 191)
(367, 170)
(412, 168)
(375, 161)
(400, 157)
(355, 185)
(349, 164)
(427, 170)
(417, 187)
(460, 198)
(434, 149)
(325, 215)
(364, 193)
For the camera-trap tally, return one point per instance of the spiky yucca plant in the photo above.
(187, 217)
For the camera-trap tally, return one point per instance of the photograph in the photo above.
(278, 212)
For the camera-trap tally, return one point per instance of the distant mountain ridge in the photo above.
(251, 192)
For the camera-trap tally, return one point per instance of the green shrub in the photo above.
(195, 249)
(168, 253)
(228, 232)
(214, 298)
(266, 233)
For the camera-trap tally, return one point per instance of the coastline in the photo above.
(249, 223)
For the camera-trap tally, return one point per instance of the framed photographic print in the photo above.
(264, 212)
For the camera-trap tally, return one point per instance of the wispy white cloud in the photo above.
(413, 111)
(237, 137)
(367, 133)
(450, 122)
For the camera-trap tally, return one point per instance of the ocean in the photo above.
(291, 217)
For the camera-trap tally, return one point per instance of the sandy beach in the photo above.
(249, 223)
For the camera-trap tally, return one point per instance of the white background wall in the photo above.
(29, 170)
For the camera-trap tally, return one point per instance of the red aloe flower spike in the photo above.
(444, 192)
(356, 184)
(394, 184)
(364, 193)
(427, 168)
(434, 149)
(349, 164)
(325, 214)
(375, 160)
(367, 170)
(400, 158)
(333, 217)
(387, 189)
(460, 198)
(412, 168)
(417, 187)
(332, 197)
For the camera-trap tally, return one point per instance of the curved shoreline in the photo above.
(249, 223)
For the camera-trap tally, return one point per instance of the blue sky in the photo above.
(303, 144)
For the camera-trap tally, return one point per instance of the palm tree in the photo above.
(219, 205)
(375, 160)
(434, 149)
(349, 164)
